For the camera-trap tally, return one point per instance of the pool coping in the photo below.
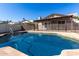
(58, 33)
(65, 51)
(50, 33)
(9, 51)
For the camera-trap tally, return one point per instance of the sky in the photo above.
(31, 11)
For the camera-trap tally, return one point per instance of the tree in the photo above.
(77, 17)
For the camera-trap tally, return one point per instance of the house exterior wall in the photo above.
(68, 25)
(75, 27)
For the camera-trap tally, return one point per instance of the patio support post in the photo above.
(71, 26)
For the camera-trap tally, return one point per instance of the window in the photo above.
(61, 22)
(53, 22)
(45, 25)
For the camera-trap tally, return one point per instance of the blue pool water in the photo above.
(38, 44)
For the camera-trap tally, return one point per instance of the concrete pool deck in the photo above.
(9, 51)
(68, 52)
(3, 34)
(73, 35)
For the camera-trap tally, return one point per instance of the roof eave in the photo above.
(54, 18)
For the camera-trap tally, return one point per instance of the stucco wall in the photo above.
(28, 26)
(6, 27)
(51, 26)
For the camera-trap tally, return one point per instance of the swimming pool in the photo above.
(34, 44)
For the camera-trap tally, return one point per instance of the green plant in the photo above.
(77, 17)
